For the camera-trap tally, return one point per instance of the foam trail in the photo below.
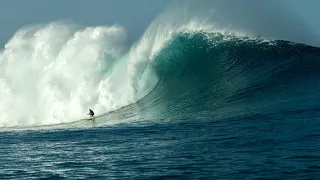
(52, 74)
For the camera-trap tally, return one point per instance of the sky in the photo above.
(134, 15)
(308, 10)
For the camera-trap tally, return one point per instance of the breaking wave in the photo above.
(186, 65)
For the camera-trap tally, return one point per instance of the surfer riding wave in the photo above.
(91, 113)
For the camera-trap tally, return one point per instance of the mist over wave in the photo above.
(193, 57)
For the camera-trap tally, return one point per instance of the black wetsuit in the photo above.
(91, 113)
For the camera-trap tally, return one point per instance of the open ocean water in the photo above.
(270, 146)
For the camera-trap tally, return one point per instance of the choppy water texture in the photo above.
(187, 101)
(272, 146)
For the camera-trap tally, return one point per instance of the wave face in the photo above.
(211, 75)
(186, 65)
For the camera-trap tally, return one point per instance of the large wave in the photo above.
(190, 62)
(212, 75)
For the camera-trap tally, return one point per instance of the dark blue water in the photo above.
(265, 146)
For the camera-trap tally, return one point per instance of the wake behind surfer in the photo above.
(91, 113)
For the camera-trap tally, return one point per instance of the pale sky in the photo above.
(134, 15)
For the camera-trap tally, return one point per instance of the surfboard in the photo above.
(91, 118)
(88, 119)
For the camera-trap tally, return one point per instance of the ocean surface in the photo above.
(282, 145)
(186, 101)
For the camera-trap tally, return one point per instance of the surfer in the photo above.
(91, 113)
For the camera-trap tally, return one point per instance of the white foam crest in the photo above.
(53, 73)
